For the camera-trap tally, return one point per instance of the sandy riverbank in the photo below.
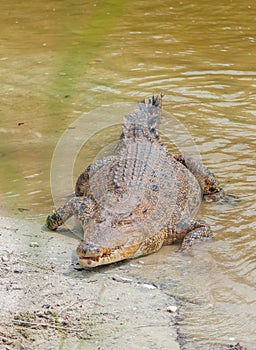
(47, 304)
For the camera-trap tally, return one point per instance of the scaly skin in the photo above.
(132, 203)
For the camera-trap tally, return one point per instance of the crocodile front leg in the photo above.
(81, 207)
(197, 230)
(186, 234)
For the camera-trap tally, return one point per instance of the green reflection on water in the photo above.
(80, 49)
(74, 34)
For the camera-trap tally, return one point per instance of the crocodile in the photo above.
(132, 203)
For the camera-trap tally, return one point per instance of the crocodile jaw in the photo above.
(92, 256)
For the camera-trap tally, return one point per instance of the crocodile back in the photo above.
(142, 188)
(151, 190)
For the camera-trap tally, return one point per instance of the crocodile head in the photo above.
(106, 245)
(90, 255)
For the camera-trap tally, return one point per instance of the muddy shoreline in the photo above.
(46, 303)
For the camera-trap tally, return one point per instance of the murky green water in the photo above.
(61, 59)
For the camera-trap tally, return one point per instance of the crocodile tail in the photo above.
(154, 101)
(144, 122)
